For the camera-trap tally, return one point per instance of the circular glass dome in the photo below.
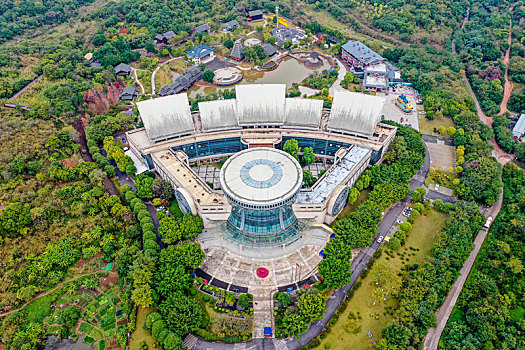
(261, 177)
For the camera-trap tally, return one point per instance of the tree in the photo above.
(405, 226)
(287, 44)
(163, 189)
(99, 40)
(394, 243)
(284, 299)
(150, 47)
(186, 253)
(172, 278)
(308, 179)
(419, 194)
(53, 72)
(295, 324)
(208, 76)
(70, 316)
(291, 147)
(6, 89)
(151, 319)
(172, 342)
(124, 259)
(353, 195)
(183, 315)
(228, 43)
(311, 307)
(334, 269)
(271, 40)
(308, 156)
(244, 300)
(15, 220)
(131, 169)
(438, 204)
(144, 185)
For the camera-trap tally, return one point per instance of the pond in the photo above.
(289, 71)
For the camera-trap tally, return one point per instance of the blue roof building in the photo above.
(199, 52)
(357, 53)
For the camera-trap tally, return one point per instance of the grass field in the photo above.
(40, 308)
(178, 65)
(144, 76)
(140, 333)
(163, 77)
(427, 126)
(354, 331)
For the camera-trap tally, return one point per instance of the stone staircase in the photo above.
(262, 311)
(190, 341)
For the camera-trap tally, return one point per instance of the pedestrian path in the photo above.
(262, 310)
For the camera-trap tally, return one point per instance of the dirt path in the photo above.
(509, 85)
(46, 293)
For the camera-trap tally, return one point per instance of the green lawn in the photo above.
(40, 308)
(174, 209)
(354, 331)
(427, 126)
(140, 333)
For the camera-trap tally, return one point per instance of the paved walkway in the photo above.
(336, 86)
(434, 334)
(137, 80)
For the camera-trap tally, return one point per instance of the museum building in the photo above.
(261, 200)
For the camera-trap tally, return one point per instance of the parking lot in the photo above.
(393, 112)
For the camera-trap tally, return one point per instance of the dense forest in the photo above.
(489, 313)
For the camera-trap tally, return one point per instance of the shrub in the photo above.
(129, 196)
(151, 319)
(142, 214)
(110, 171)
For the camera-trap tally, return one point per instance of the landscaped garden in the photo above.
(98, 316)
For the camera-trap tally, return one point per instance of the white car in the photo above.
(437, 187)
(380, 239)
(399, 222)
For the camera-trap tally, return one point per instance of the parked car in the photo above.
(380, 239)
(436, 187)
(399, 222)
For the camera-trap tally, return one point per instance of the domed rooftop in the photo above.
(261, 176)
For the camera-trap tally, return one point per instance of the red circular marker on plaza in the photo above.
(262, 272)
